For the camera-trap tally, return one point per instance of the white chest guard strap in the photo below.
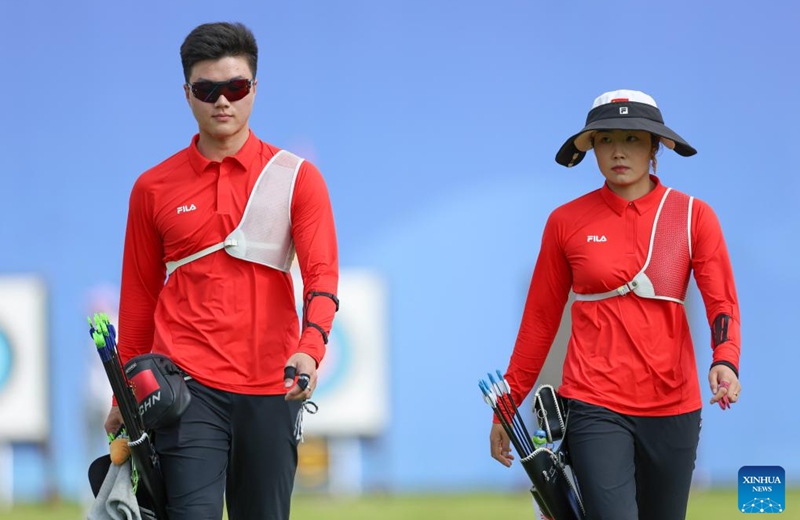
(665, 275)
(264, 235)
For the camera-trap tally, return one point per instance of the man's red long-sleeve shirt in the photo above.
(629, 354)
(231, 324)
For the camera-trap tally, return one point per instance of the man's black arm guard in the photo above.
(310, 296)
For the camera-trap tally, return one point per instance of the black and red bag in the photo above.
(160, 389)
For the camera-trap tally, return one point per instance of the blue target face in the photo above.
(336, 365)
(5, 360)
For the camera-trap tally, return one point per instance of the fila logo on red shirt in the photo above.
(595, 238)
(186, 209)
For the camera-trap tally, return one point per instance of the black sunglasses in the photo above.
(210, 91)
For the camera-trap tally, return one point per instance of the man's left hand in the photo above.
(306, 370)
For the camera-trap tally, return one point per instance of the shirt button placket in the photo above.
(630, 229)
(224, 189)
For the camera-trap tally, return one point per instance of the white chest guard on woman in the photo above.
(264, 235)
(665, 275)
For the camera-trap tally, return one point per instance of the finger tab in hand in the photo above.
(303, 380)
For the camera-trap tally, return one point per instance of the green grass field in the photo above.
(711, 505)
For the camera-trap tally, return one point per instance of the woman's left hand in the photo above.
(724, 385)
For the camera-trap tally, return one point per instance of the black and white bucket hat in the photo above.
(621, 110)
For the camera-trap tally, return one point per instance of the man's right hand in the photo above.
(113, 421)
(500, 445)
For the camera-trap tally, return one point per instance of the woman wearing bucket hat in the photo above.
(630, 377)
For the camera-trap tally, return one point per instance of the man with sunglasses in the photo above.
(210, 239)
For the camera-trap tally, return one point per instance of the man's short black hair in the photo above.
(213, 41)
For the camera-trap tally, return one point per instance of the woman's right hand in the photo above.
(500, 445)
(113, 421)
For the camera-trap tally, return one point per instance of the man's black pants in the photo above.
(631, 467)
(242, 447)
